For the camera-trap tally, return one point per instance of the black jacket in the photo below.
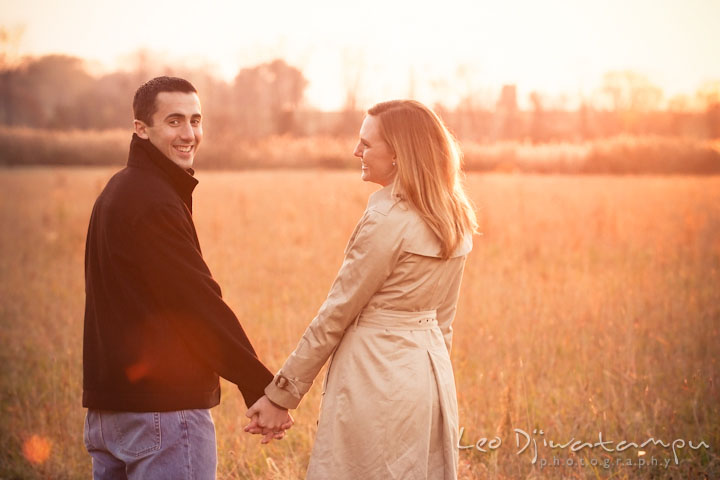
(157, 331)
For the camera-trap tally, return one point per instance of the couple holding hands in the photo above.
(158, 334)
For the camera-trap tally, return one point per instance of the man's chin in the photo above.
(183, 163)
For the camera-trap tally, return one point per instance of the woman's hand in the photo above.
(268, 419)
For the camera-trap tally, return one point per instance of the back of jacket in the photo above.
(392, 262)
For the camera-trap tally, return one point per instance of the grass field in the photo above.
(589, 304)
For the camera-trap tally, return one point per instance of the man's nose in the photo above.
(187, 132)
(357, 152)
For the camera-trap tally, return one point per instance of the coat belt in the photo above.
(397, 319)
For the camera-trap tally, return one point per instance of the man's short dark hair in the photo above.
(144, 102)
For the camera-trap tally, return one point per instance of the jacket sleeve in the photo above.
(191, 301)
(448, 306)
(370, 257)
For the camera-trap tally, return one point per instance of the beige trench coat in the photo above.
(389, 407)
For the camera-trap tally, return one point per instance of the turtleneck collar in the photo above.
(144, 154)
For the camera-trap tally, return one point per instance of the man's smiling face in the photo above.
(176, 128)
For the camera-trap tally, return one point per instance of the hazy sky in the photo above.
(438, 50)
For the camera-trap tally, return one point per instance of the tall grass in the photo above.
(589, 304)
(615, 155)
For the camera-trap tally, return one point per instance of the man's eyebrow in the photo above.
(181, 115)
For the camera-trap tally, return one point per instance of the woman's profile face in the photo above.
(376, 158)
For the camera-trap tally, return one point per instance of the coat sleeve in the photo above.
(370, 257)
(448, 306)
(189, 298)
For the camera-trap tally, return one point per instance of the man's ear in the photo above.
(141, 129)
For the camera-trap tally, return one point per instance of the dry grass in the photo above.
(590, 304)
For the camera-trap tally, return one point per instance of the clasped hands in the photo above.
(268, 420)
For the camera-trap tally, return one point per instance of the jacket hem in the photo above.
(150, 402)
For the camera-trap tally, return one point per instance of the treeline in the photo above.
(57, 92)
(625, 154)
(54, 112)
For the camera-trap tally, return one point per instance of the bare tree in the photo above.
(507, 113)
(630, 91)
(537, 128)
(353, 66)
(10, 40)
(709, 97)
(631, 97)
(266, 97)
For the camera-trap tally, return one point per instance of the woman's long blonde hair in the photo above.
(429, 174)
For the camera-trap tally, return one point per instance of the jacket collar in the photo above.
(144, 154)
(421, 241)
(383, 200)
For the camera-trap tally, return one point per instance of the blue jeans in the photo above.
(151, 445)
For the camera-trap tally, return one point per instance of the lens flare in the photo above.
(37, 449)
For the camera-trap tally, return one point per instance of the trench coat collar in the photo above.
(422, 241)
(383, 200)
(465, 246)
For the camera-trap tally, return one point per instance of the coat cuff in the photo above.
(286, 392)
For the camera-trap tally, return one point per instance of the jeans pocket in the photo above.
(136, 433)
(86, 433)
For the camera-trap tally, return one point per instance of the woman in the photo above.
(389, 408)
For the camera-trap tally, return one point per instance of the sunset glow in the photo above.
(585, 136)
(392, 49)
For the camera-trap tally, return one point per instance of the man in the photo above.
(157, 331)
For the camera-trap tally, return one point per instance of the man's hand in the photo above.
(268, 419)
